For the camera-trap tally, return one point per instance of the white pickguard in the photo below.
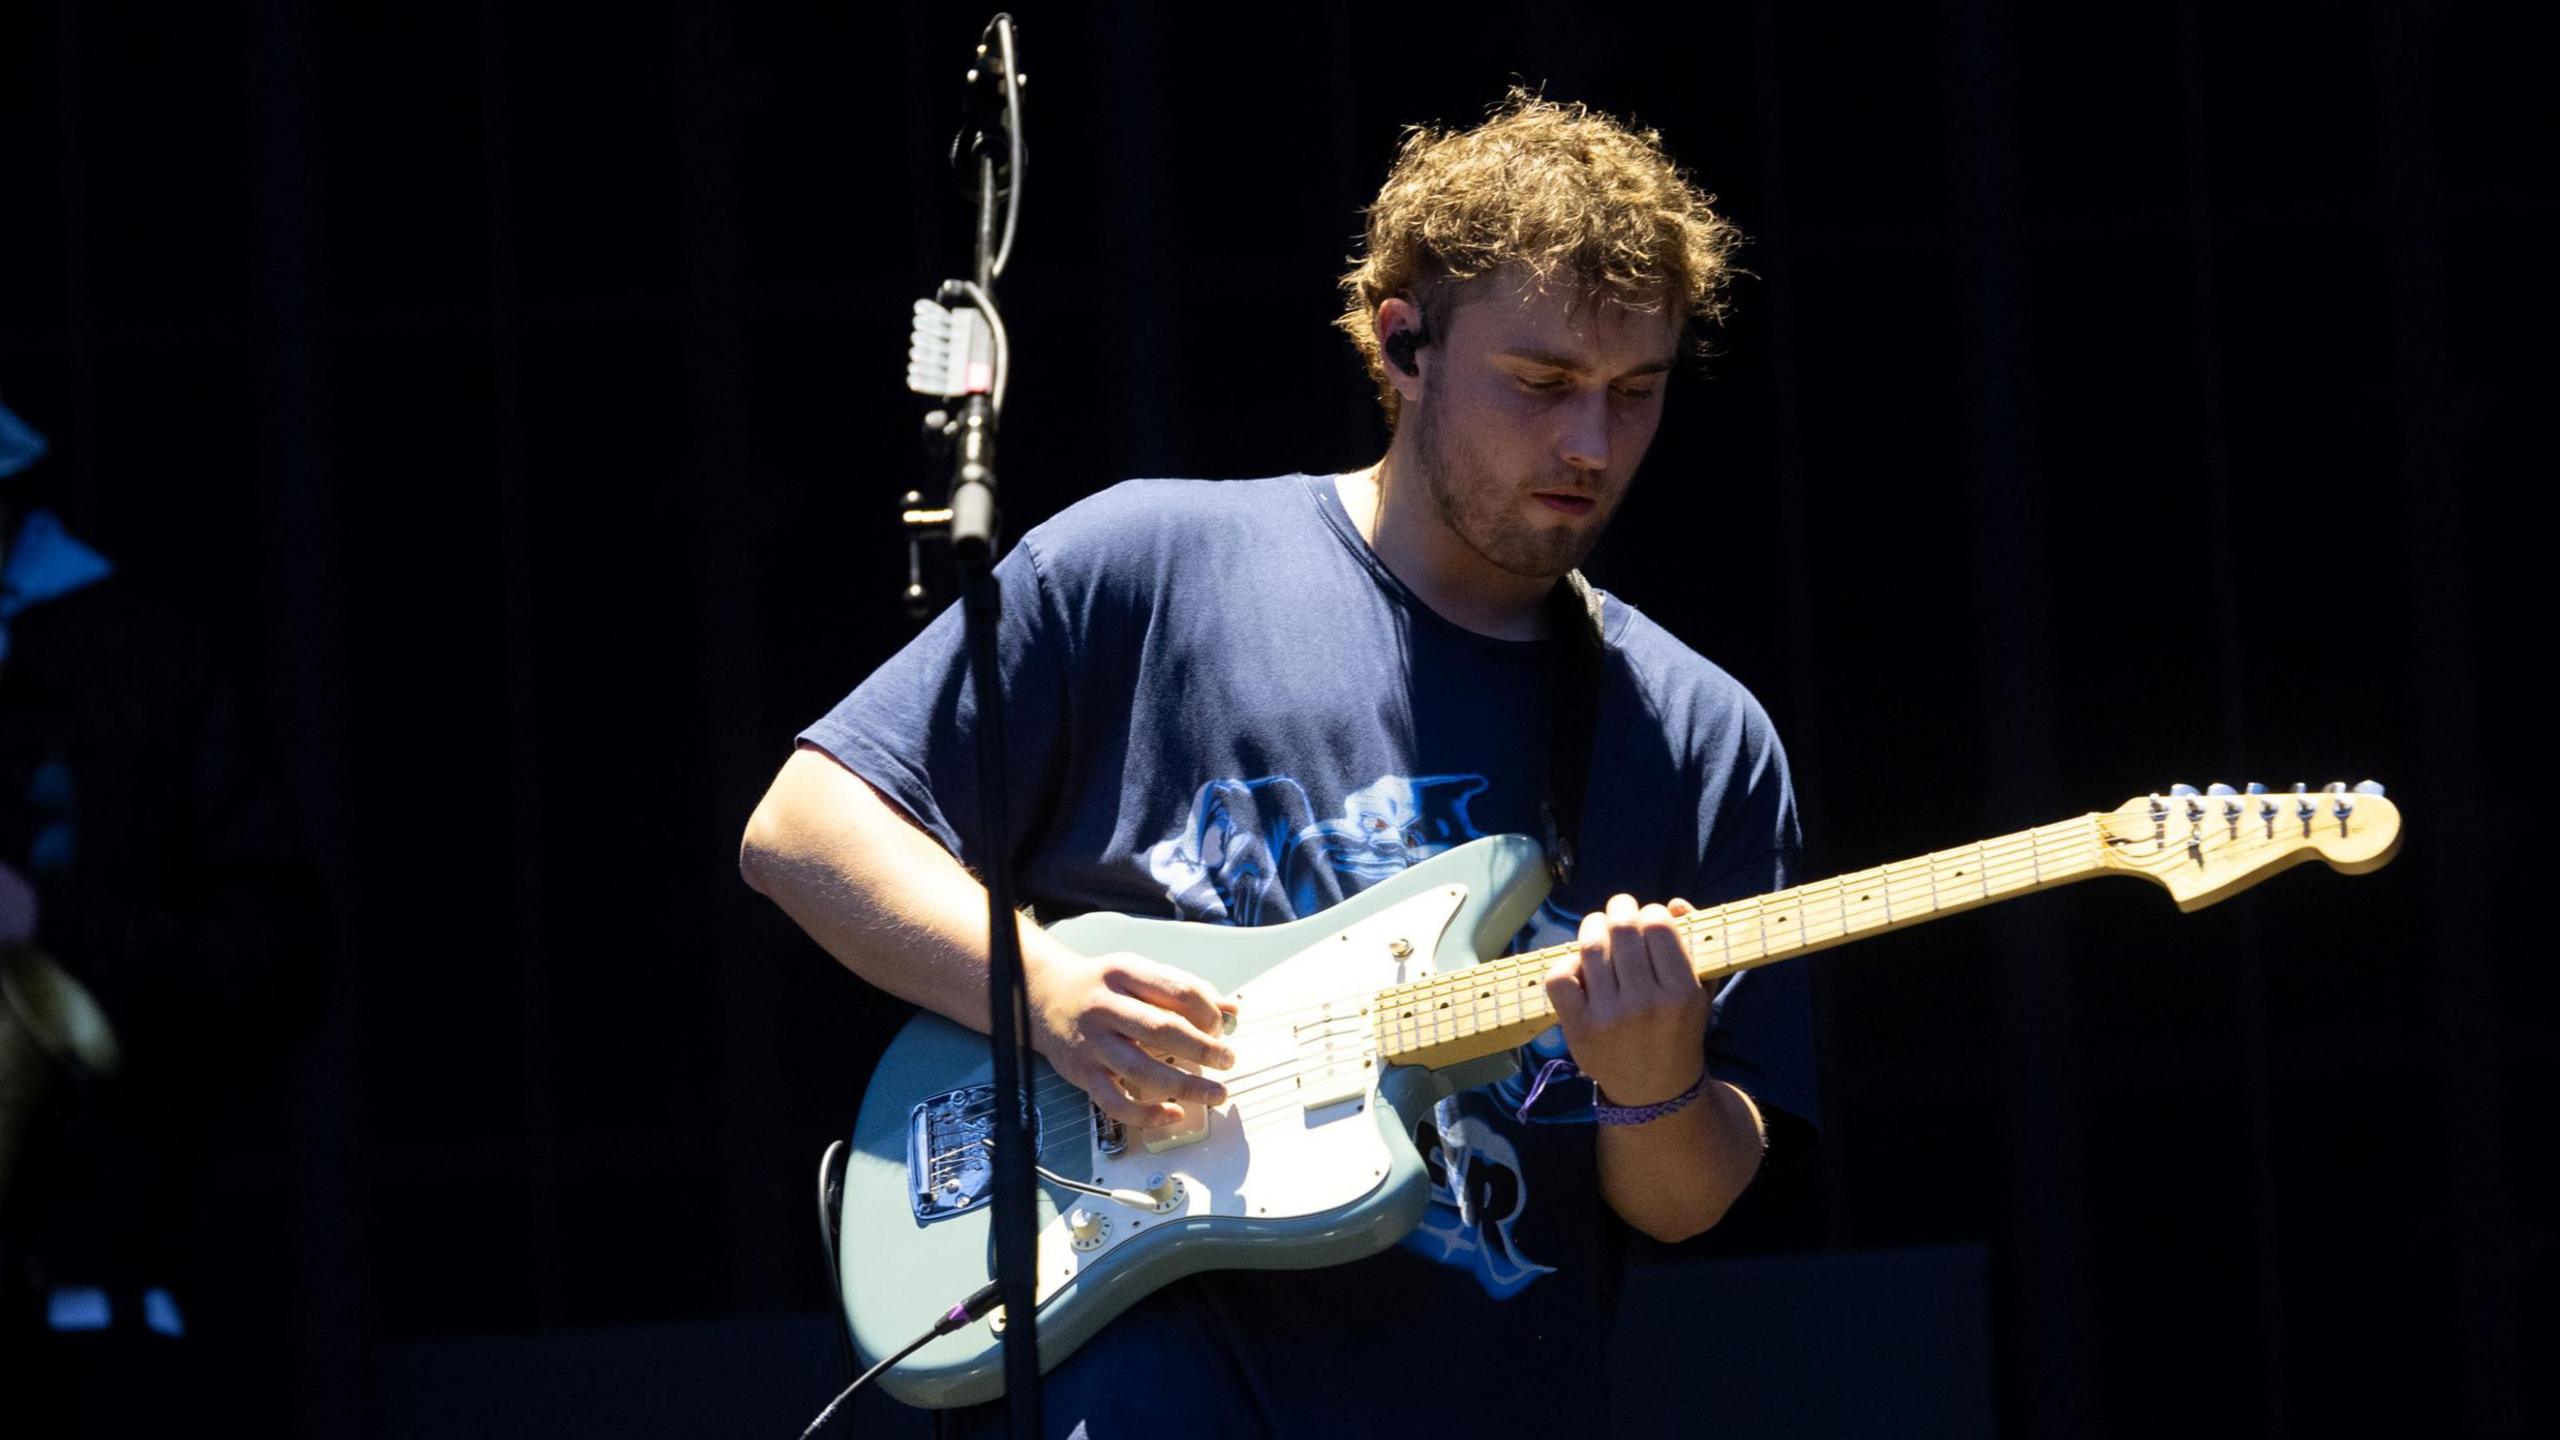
(1296, 1136)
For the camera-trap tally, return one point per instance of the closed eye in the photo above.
(1558, 385)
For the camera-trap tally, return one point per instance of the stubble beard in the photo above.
(1482, 514)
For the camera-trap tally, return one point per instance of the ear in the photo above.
(1399, 316)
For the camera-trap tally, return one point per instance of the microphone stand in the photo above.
(994, 142)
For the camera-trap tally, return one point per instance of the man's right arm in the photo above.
(888, 902)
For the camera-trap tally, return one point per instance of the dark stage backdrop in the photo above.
(2123, 395)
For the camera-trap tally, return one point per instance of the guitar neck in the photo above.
(1498, 1005)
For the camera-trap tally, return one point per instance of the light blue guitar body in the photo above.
(1309, 1163)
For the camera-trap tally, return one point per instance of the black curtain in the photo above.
(2120, 397)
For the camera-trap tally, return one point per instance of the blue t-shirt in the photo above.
(1222, 707)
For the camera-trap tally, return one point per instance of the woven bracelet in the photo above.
(1608, 1114)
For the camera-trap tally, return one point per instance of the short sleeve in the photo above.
(1760, 1038)
(911, 729)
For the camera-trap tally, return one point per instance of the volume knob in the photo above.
(1086, 1229)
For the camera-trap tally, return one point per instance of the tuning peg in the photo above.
(2369, 787)
(2257, 789)
(2218, 788)
(2336, 787)
(2183, 790)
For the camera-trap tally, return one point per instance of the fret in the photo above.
(1441, 1015)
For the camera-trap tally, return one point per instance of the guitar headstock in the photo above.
(2204, 845)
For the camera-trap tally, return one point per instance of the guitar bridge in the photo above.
(950, 1152)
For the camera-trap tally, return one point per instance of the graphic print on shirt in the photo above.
(1479, 1189)
(1251, 852)
(1478, 1193)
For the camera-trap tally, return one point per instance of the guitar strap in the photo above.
(1577, 648)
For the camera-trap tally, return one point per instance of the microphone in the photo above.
(951, 352)
(956, 345)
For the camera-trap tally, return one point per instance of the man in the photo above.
(1242, 702)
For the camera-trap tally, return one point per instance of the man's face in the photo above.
(1533, 416)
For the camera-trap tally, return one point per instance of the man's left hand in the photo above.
(1634, 1014)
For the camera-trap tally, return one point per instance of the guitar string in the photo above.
(2004, 854)
(1692, 924)
(2000, 859)
(2004, 869)
(1993, 867)
(1995, 859)
(1996, 863)
(1289, 1069)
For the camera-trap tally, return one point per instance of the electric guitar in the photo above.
(1350, 1025)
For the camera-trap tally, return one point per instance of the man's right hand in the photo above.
(886, 899)
(1121, 1026)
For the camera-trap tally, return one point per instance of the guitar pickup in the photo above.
(1191, 1129)
(1332, 1085)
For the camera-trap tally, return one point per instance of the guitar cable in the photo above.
(830, 1200)
(980, 1301)
(830, 1193)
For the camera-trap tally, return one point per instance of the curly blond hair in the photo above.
(1561, 191)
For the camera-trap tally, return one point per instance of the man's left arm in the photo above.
(1635, 1019)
